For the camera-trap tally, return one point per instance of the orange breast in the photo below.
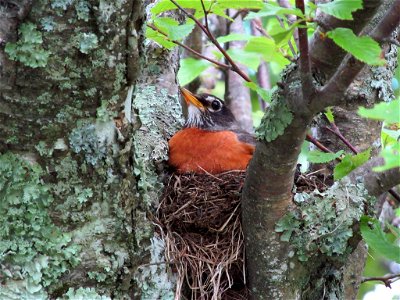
(196, 150)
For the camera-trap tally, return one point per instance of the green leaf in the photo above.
(234, 37)
(341, 9)
(220, 5)
(329, 115)
(391, 155)
(282, 36)
(319, 157)
(374, 236)
(261, 45)
(191, 68)
(249, 59)
(363, 48)
(270, 9)
(173, 29)
(263, 93)
(349, 163)
(159, 38)
(384, 111)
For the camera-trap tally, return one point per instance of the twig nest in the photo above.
(200, 219)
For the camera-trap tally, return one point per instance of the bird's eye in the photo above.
(216, 105)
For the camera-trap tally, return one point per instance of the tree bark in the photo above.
(95, 118)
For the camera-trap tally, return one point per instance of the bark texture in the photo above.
(85, 113)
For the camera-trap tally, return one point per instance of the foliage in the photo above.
(390, 114)
(363, 48)
(34, 252)
(82, 294)
(378, 240)
(319, 157)
(341, 9)
(190, 69)
(349, 163)
(28, 49)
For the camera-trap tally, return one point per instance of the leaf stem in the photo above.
(213, 40)
(219, 64)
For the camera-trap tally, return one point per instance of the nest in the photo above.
(199, 219)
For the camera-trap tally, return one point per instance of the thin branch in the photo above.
(289, 42)
(219, 64)
(205, 14)
(333, 91)
(387, 280)
(318, 144)
(234, 66)
(305, 66)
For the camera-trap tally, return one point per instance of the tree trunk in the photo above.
(89, 100)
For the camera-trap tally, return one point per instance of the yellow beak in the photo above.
(191, 99)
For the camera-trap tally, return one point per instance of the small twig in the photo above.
(205, 14)
(289, 42)
(234, 66)
(304, 63)
(318, 144)
(222, 65)
(387, 280)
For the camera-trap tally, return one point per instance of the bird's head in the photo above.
(206, 111)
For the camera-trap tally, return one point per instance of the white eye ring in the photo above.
(216, 105)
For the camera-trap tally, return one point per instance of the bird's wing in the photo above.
(245, 137)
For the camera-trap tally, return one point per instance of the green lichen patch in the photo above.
(28, 49)
(34, 252)
(158, 114)
(83, 294)
(322, 222)
(274, 121)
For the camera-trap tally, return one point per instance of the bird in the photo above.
(211, 140)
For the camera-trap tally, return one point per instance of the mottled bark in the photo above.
(96, 118)
(267, 192)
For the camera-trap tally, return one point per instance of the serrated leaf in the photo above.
(391, 155)
(248, 59)
(349, 163)
(173, 29)
(191, 68)
(384, 111)
(159, 38)
(318, 157)
(341, 9)
(363, 48)
(329, 115)
(374, 236)
(234, 37)
(282, 36)
(270, 9)
(263, 93)
(261, 45)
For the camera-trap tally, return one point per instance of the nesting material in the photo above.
(200, 220)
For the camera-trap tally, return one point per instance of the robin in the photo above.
(211, 141)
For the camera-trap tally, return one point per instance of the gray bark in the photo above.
(95, 118)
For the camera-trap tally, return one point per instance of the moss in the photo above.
(322, 222)
(34, 252)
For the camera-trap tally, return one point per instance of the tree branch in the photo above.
(387, 280)
(234, 66)
(334, 90)
(219, 64)
(305, 68)
(376, 182)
